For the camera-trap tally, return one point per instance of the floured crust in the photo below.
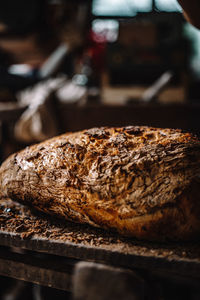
(140, 181)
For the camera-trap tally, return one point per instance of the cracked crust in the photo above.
(141, 181)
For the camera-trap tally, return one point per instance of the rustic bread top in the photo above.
(108, 176)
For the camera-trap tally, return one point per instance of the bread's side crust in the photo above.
(179, 221)
(139, 181)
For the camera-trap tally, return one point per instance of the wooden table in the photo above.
(45, 251)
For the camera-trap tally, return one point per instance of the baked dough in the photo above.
(140, 181)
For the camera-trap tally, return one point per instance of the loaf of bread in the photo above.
(140, 181)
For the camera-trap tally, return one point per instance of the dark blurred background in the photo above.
(69, 65)
(94, 63)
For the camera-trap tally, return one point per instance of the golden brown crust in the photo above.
(139, 181)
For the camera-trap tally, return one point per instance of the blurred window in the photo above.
(167, 5)
(129, 8)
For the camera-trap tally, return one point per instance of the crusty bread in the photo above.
(141, 181)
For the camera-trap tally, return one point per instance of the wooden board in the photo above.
(21, 228)
(38, 269)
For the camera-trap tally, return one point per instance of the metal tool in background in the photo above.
(153, 91)
(150, 95)
(53, 62)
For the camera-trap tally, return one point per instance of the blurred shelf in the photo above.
(10, 111)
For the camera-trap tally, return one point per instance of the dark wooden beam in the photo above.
(36, 269)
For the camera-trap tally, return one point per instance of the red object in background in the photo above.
(96, 51)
